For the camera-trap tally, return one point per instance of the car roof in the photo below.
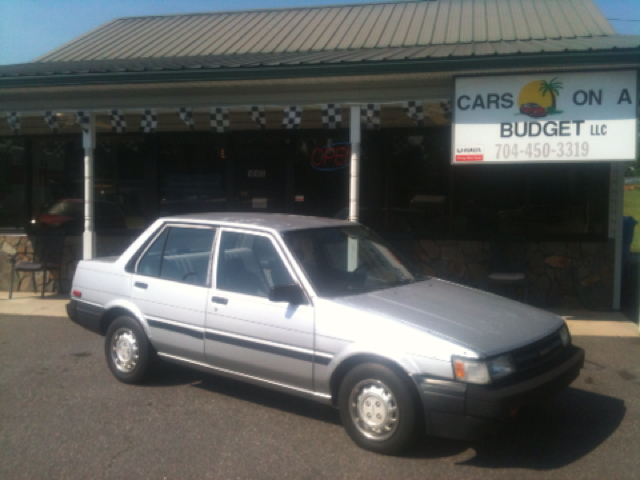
(278, 222)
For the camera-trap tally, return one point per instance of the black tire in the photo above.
(395, 417)
(128, 351)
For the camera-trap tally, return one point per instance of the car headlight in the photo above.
(565, 336)
(482, 371)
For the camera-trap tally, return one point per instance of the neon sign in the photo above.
(333, 157)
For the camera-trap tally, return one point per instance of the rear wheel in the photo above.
(128, 350)
(378, 409)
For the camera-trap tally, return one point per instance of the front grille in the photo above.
(537, 353)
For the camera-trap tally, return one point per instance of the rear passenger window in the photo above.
(149, 264)
(181, 254)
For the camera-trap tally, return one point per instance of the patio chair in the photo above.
(47, 256)
(508, 263)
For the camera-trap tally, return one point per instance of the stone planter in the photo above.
(560, 274)
(72, 253)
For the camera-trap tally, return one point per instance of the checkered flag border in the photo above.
(331, 116)
(13, 118)
(186, 115)
(292, 117)
(414, 111)
(258, 116)
(370, 116)
(118, 122)
(149, 121)
(219, 117)
(51, 120)
(84, 119)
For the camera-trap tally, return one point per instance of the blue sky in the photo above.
(30, 28)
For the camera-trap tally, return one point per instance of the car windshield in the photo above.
(348, 260)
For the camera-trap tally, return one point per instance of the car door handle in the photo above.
(220, 300)
(140, 285)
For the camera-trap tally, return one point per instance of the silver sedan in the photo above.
(324, 309)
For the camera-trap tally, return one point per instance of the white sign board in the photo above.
(544, 117)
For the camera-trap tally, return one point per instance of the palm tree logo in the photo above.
(552, 88)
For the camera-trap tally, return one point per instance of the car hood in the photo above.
(483, 322)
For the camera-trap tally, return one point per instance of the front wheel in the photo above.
(128, 350)
(378, 409)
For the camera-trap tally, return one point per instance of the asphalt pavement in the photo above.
(64, 416)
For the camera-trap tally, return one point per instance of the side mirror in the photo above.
(291, 293)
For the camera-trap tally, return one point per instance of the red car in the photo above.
(69, 214)
(533, 110)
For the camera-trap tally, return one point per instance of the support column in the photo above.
(89, 234)
(354, 185)
(616, 212)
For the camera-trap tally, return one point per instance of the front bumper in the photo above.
(458, 410)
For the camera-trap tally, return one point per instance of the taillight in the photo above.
(77, 293)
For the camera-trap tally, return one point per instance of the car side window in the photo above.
(149, 264)
(181, 254)
(250, 264)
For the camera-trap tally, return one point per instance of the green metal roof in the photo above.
(459, 24)
(363, 39)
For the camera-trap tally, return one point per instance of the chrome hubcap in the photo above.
(374, 409)
(124, 350)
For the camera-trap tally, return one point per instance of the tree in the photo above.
(552, 88)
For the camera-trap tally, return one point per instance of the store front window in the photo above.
(13, 184)
(321, 174)
(193, 175)
(417, 186)
(426, 196)
(531, 200)
(119, 182)
(58, 196)
(58, 184)
(260, 164)
(408, 187)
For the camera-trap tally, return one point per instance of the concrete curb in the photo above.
(598, 324)
(24, 303)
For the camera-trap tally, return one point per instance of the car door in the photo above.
(245, 331)
(170, 286)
